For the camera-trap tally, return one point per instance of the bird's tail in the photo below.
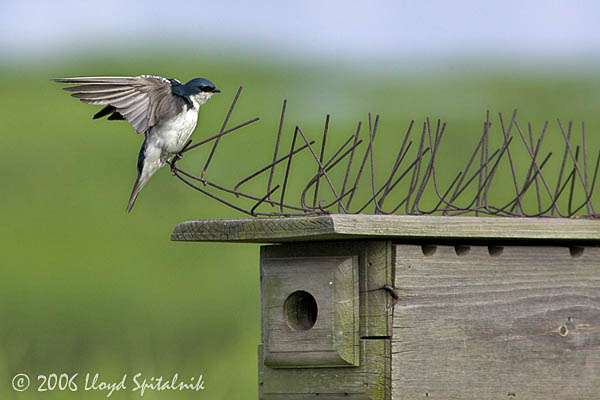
(141, 178)
(137, 188)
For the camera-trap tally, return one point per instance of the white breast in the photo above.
(171, 135)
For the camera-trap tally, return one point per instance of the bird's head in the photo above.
(199, 90)
(201, 85)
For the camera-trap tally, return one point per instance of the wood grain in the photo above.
(376, 304)
(369, 381)
(341, 226)
(375, 266)
(333, 283)
(524, 323)
(369, 378)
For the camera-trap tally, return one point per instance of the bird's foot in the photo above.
(178, 156)
(172, 163)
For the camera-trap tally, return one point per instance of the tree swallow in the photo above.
(164, 110)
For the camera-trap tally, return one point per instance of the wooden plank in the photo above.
(369, 381)
(375, 271)
(377, 304)
(370, 378)
(254, 230)
(323, 335)
(481, 323)
(401, 227)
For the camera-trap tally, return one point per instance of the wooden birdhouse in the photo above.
(407, 307)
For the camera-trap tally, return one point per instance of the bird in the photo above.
(163, 109)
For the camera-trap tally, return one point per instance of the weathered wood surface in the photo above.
(376, 304)
(333, 339)
(369, 381)
(375, 269)
(369, 378)
(341, 226)
(523, 323)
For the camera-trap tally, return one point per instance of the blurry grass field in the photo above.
(86, 287)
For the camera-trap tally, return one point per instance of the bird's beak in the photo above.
(216, 90)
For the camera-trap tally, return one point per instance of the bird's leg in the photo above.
(178, 156)
(171, 164)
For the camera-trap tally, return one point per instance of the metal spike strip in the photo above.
(468, 193)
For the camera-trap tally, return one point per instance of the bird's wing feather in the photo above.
(142, 100)
(101, 97)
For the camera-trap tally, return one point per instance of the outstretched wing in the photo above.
(143, 100)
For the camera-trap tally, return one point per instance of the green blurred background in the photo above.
(85, 287)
